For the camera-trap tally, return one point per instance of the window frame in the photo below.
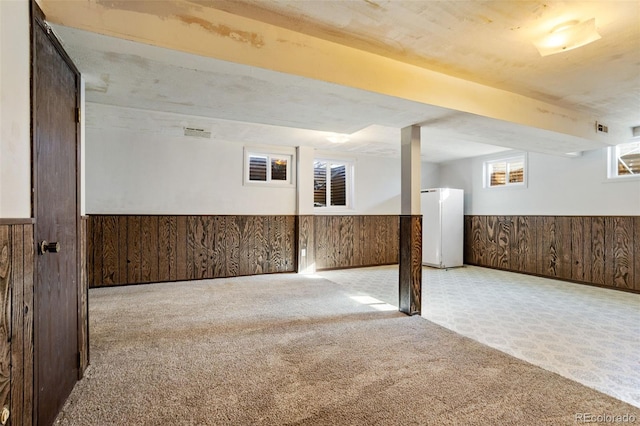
(507, 160)
(612, 163)
(349, 184)
(270, 154)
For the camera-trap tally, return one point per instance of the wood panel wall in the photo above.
(144, 249)
(83, 301)
(305, 232)
(16, 321)
(353, 241)
(601, 250)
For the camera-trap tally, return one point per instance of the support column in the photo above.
(305, 257)
(410, 282)
(306, 262)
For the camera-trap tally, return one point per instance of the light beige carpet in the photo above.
(287, 349)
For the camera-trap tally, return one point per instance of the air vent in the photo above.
(601, 128)
(197, 133)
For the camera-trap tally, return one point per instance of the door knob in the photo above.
(4, 416)
(49, 247)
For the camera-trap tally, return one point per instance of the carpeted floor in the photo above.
(289, 349)
(587, 334)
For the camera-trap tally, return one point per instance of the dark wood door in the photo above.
(55, 132)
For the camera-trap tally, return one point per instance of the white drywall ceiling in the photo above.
(488, 42)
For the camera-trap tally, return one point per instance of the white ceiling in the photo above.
(142, 87)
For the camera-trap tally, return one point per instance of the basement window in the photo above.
(505, 172)
(332, 184)
(268, 168)
(624, 160)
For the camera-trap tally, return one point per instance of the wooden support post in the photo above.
(410, 264)
(410, 282)
(305, 257)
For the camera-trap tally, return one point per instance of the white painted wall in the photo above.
(377, 185)
(376, 181)
(556, 186)
(147, 173)
(83, 144)
(430, 175)
(153, 173)
(15, 139)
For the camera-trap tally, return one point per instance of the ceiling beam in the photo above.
(196, 29)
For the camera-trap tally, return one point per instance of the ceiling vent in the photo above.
(601, 128)
(197, 133)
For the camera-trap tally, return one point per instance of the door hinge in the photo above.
(77, 112)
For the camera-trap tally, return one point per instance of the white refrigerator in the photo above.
(442, 227)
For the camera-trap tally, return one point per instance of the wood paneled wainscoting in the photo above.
(125, 249)
(598, 250)
(144, 249)
(16, 319)
(83, 298)
(353, 241)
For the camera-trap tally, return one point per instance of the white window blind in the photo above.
(257, 168)
(505, 172)
(268, 168)
(624, 160)
(331, 183)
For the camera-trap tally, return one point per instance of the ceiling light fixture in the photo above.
(338, 138)
(566, 36)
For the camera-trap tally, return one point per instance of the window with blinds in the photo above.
(338, 185)
(258, 168)
(624, 160)
(505, 172)
(331, 183)
(320, 184)
(268, 168)
(279, 169)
